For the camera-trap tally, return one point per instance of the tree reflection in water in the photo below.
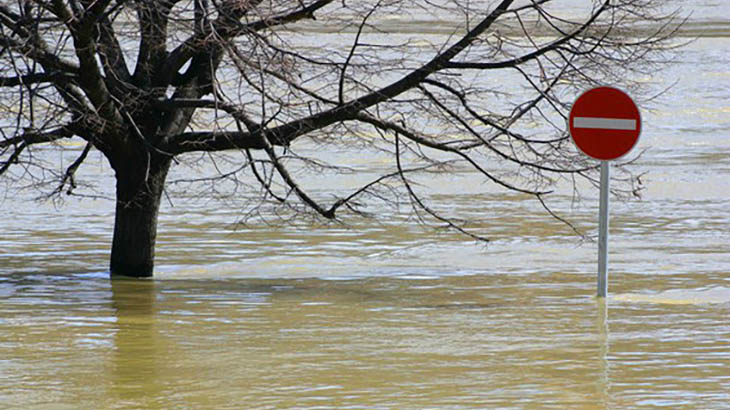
(138, 344)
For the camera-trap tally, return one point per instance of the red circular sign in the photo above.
(604, 123)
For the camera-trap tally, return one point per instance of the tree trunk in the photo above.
(140, 183)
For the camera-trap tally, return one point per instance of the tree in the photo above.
(148, 82)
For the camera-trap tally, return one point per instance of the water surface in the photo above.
(409, 342)
(385, 313)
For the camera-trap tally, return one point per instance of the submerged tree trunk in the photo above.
(140, 183)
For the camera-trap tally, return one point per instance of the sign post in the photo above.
(604, 124)
(603, 231)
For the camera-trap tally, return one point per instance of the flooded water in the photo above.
(388, 314)
(412, 342)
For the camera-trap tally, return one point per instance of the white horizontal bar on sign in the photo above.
(605, 123)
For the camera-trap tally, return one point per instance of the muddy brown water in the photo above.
(388, 314)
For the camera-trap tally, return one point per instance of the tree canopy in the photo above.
(146, 82)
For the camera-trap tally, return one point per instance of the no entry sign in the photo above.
(604, 123)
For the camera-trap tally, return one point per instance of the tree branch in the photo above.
(41, 54)
(284, 134)
(31, 137)
(71, 172)
(223, 30)
(415, 198)
(37, 78)
(346, 64)
(392, 127)
(530, 56)
(455, 117)
(365, 188)
(112, 57)
(13, 157)
(306, 12)
(235, 112)
(284, 173)
(153, 18)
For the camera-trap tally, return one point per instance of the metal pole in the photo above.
(603, 232)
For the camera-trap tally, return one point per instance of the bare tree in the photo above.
(148, 82)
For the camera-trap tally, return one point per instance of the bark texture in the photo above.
(135, 225)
